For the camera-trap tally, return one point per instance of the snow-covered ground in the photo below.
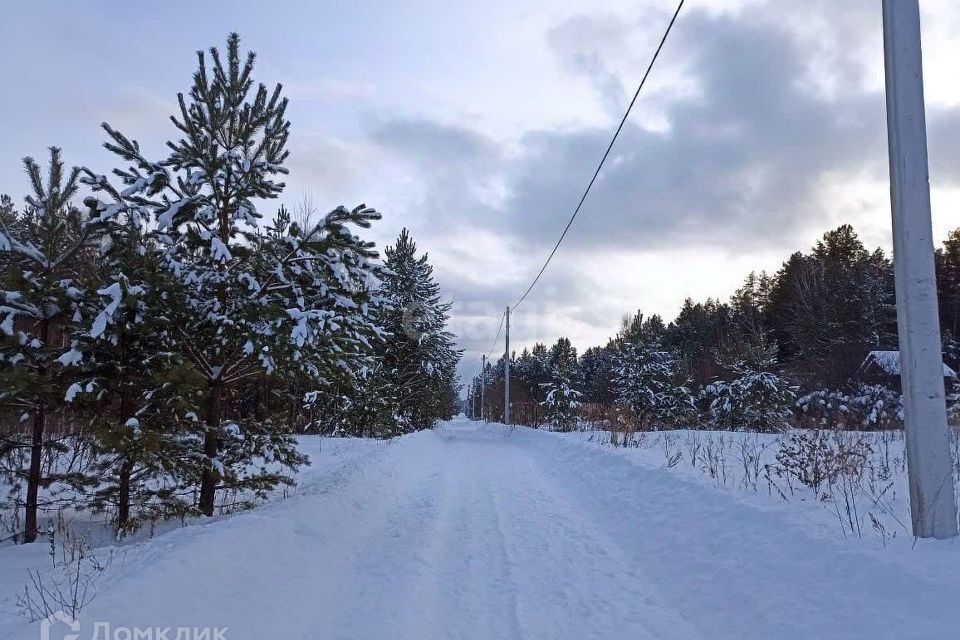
(481, 531)
(839, 483)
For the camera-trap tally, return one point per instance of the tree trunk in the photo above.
(126, 467)
(263, 398)
(123, 497)
(210, 476)
(294, 408)
(33, 478)
(36, 452)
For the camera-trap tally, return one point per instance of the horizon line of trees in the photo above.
(161, 344)
(786, 349)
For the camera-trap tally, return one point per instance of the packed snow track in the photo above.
(478, 531)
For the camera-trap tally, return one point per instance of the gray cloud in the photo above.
(740, 161)
(739, 164)
(458, 167)
(761, 108)
(943, 141)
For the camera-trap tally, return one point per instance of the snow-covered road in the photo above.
(477, 531)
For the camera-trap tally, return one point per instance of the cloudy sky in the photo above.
(477, 125)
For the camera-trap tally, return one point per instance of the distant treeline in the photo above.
(787, 348)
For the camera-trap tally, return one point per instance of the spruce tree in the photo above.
(419, 352)
(561, 398)
(368, 407)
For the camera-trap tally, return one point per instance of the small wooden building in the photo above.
(883, 367)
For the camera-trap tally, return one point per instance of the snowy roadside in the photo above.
(331, 459)
(763, 567)
(869, 514)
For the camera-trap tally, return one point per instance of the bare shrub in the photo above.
(70, 586)
(713, 458)
(817, 457)
(750, 453)
(622, 425)
(694, 444)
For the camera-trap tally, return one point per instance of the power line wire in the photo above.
(497, 339)
(606, 153)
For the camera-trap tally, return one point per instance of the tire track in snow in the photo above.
(576, 582)
(507, 570)
(478, 461)
(383, 590)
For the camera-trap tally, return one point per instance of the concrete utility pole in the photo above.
(506, 375)
(929, 463)
(483, 384)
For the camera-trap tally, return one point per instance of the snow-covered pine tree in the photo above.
(560, 397)
(827, 308)
(472, 397)
(637, 329)
(47, 256)
(756, 399)
(419, 351)
(650, 385)
(562, 359)
(130, 378)
(337, 277)
(367, 407)
(486, 382)
(476, 408)
(562, 401)
(528, 373)
(254, 302)
(8, 213)
(595, 370)
(825, 409)
(947, 260)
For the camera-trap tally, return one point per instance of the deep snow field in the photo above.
(482, 531)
